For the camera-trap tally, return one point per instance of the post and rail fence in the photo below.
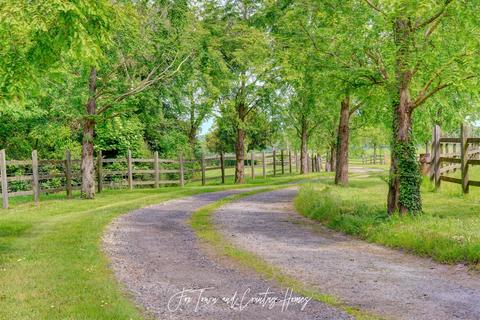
(449, 154)
(35, 176)
(375, 159)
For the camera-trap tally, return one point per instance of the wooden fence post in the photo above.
(202, 164)
(464, 158)
(130, 170)
(274, 163)
(3, 172)
(283, 162)
(99, 171)
(290, 161)
(68, 173)
(222, 167)
(180, 170)
(156, 168)
(436, 156)
(264, 165)
(35, 183)
(252, 160)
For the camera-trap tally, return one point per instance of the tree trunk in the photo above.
(341, 168)
(240, 156)
(404, 184)
(192, 137)
(88, 167)
(240, 144)
(192, 132)
(303, 150)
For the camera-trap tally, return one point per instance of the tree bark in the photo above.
(341, 168)
(192, 132)
(240, 145)
(303, 149)
(88, 167)
(333, 156)
(404, 184)
(192, 137)
(240, 157)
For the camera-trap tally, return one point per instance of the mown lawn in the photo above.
(51, 263)
(448, 230)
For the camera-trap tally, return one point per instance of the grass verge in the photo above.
(51, 262)
(202, 222)
(448, 230)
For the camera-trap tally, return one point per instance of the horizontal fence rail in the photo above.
(32, 177)
(375, 159)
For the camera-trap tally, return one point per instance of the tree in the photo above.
(247, 68)
(261, 132)
(341, 66)
(428, 47)
(135, 61)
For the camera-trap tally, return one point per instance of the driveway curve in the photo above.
(386, 282)
(155, 255)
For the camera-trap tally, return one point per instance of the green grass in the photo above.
(51, 263)
(448, 230)
(205, 230)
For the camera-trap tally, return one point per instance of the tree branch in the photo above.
(377, 58)
(436, 16)
(422, 98)
(357, 107)
(374, 7)
(146, 83)
(435, 75)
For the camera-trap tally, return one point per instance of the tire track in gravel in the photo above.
(155, 255)
(374, 278)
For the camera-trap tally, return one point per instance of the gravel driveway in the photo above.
(155, 254)
(384, 281)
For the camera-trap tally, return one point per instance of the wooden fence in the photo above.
(38, 176)
(375, 159)
(450, 154)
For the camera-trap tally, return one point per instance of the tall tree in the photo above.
(325, 30)
(143, 53)
(428, 47)
(245, 56)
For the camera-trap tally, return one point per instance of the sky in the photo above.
(206, 126)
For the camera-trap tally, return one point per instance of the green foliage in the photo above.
(35, 34)
(269, 67)
(117, 136)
